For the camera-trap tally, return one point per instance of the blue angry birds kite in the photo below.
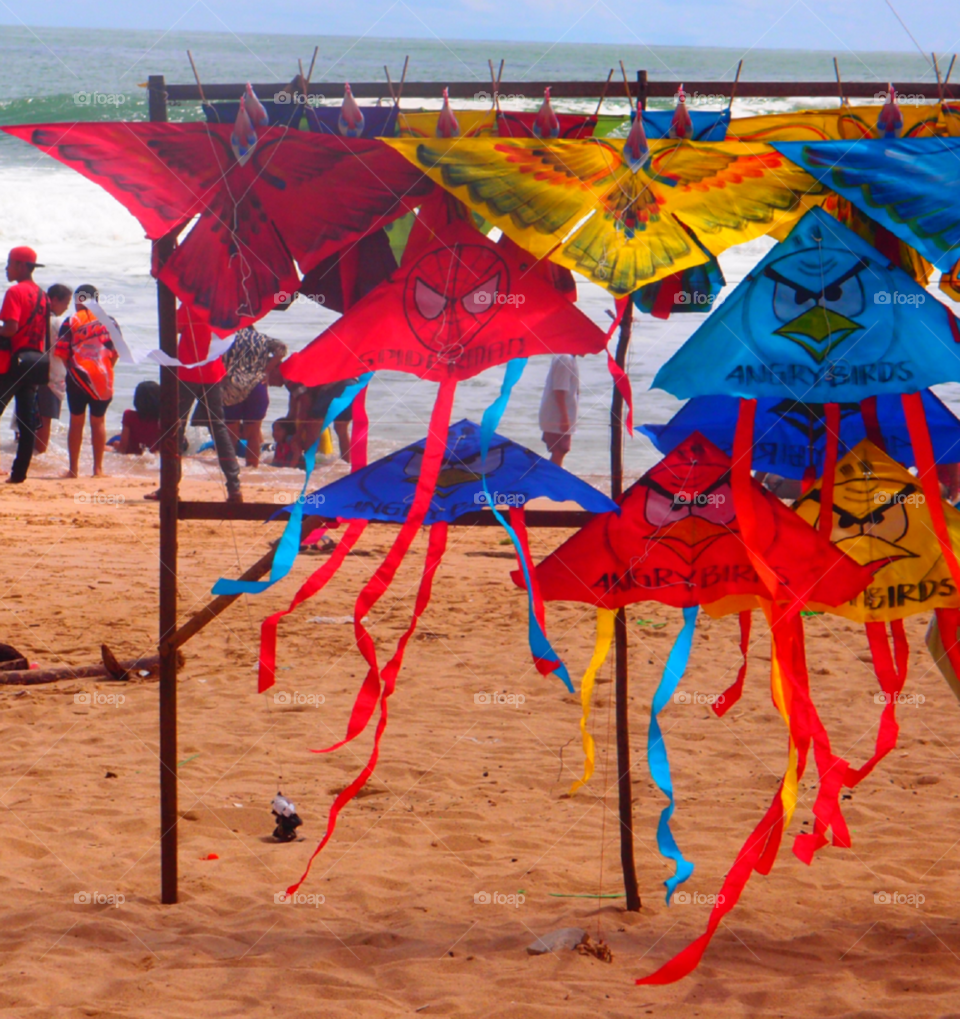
(823, 317)
(910, 185)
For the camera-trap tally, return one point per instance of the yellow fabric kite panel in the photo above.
(472, 123)
(845, 122)
(880, 519)
(582, 203)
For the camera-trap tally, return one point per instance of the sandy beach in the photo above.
(468, 798)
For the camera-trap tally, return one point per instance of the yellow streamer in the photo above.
(790, 790)
(601, 649)
(326, 443)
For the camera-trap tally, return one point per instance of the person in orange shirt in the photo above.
(85, 347)
(23, 340)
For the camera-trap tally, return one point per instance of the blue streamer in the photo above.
(289, 545)
(539, 645)
(657, 759)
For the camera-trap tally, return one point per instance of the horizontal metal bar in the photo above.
(574, 89)
(478, 518)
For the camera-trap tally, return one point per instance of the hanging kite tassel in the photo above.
(891, 672)
(435, 549)
(657, 759)
(927, 469)
(871, 422)
(379, 583)
(267, 673)
(545, 658)
(605, 618)
(832, 423)
(733, 693)
(620, 378)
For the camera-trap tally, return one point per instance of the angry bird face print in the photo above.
(881, 520)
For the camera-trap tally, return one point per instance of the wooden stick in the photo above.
(493, 83)
(836, 72)
(953, 60)
(313, 60)
(626, 85)
(197, 76)
(34, 677)
(603, 94)
(403, 78)
(624, 783)
(736, 81)
(396, 101)
(213, 608)
(936, 68)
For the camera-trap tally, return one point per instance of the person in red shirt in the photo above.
(23, 341)
(202, 385)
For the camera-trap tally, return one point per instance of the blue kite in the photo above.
(823, 318)
(708, 125)
(790, 437)
(514, 475)
(910, 185)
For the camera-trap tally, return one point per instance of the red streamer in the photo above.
(832, 423)
(871, 421)
(620, 378)
(733, 693)
(435, 549)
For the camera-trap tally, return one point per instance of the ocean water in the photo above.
(82, 235)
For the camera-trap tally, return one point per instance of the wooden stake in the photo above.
(624, 783)
(626, 85)
(936, 68)
(169, 485)
(603, 94)
(197, 76)
(733, 87)
(836, 71)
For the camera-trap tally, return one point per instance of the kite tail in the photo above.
(380, 582)
(605, 618)
(761, 846)
(733, 693)
(268, 629)
(289, 545)
(657, 760)
(891, 676)
(436, 547)
(948, 622)
(620, 378)
(545, 658)
(926, 467)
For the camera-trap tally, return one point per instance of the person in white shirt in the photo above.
(50, 397)
(558, 407)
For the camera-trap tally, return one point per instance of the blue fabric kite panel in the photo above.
(708, 125)
(383, 490)
(822, 318)
(909, 185)
(791, 436)
(378, 121)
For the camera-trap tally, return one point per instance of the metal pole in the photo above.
(624, 784)
(169, 483)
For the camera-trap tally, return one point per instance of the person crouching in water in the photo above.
(84, 345)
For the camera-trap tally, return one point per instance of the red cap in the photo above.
(24, 254)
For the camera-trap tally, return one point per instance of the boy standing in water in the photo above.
(86, 348)
(23, 339)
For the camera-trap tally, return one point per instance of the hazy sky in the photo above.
(814, 24)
